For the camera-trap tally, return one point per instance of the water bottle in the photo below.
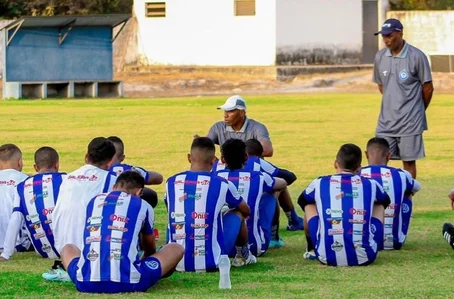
(224, 271)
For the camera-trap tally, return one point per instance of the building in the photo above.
(256, 32)
(61, 56)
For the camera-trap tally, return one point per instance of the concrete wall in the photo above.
(206, 32)
(35, 55)
(430, 31)
(319, 32)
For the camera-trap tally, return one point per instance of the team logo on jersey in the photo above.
(46, 248)
(337, 246)
(335, 220)
(153, 265)
(92, 255)
(196, 215)
(35, 226)
(331, 211)
(361, 212)
(403, 75)
(48, 211)
(373, 229)
(174, 215)
(118, 218)
(178, 225)
(385, 73)
(405, 208)
(93, 228)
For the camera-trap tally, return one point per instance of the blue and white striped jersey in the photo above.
(119, 168)
(251, 185)
(345, 204)
(253, 163)
(111, 237)
(34, 201)
(194, 201)
(398, 184)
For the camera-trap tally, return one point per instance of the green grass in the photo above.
(306, 131)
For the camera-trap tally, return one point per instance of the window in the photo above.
(155, 9)
(244, 7)
(442, 63)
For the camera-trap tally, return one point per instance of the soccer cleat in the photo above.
(448, 233)
(310, 255)
(276, 243)
(56, 275)
(299, 225)
(240, 261)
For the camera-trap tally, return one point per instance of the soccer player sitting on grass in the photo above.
(194, 201)
(10, 176)
(448, 228)
(256, 188)
(34, 201)
(76, 190)
(399, 185)
(109, 261)
(151, 177)
(339, 211)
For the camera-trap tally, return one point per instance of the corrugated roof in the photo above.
(78, 21)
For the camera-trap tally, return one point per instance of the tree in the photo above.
(421, 4)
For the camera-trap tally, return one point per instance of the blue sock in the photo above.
(294, 216)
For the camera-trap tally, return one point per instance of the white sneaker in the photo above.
(310, 255)
(240, 261)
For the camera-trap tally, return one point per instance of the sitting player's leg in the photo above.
(376, 225)
(150, 196)
(276, 241)
(267, 210)
(448, 233)
(294, 221)
(235, 229)
(168, 256)
(70, 255)
(407, 210)
(311, 224)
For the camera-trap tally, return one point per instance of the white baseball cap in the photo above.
(234, 102)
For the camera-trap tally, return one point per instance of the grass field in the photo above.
(306, 131)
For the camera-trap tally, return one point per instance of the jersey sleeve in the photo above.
(233, 198)
(307, 197)
(413, 185)
(267, 167)
(423, 69)
(213, 133)
(149, 219)
(144, 173)
(261, 133)
(269, 183)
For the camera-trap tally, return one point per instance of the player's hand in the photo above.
(196, 136)
(2, 259)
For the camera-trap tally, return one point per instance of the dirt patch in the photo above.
(213, 83)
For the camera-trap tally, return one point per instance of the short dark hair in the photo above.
(46, 157)
(9, 151)
(206, 145)
(234, 153)
(379, 144)
(100, 150)
(130, 180)
(254, 148)
(349, 157)
(119, 145)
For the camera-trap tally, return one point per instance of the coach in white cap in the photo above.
(402, 73)
(237, 125)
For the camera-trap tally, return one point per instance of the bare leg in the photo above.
(169, 256)
(410, 166)
(285, 200)
(68, 253)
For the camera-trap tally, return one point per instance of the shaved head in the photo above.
(203, 151)
(378, 145)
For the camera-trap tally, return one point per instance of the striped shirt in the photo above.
(119, 168)
(253, 163)
(34, 202)
(194, 201)
(344, 204)
(398, 184)
(111, 231)
(251, 185)
(9, 179)
(75, 192)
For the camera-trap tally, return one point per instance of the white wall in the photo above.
(326, 24)
(206, 32)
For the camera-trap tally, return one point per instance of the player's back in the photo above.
(37, 197)
(218, 165)
(398, 184)
(119, 168)
(251, 185)
(345, 203)
(111, 236)
(9, 179)
(76, 190)
(194, 201)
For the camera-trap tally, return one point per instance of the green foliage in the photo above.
(422, 4)
(18, 8)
